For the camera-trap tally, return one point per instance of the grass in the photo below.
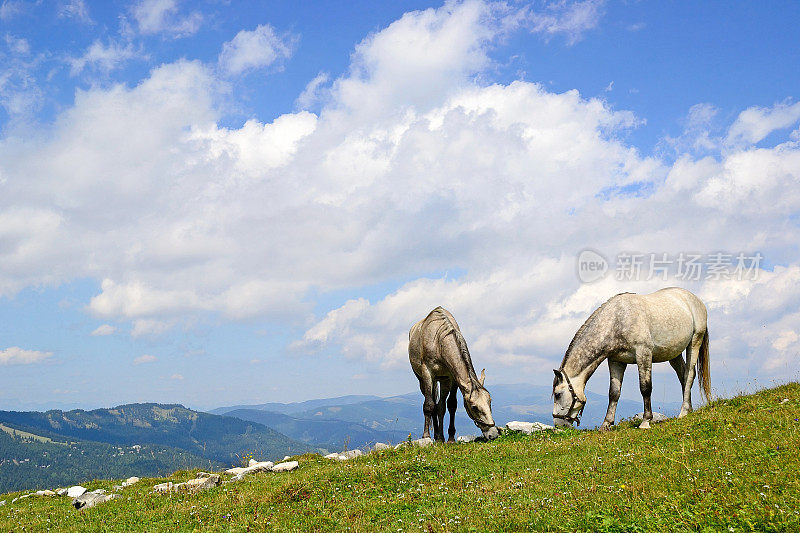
(731, 466)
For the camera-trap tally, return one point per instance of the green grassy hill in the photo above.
(732, 466)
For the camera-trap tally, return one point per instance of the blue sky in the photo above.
(225, 202)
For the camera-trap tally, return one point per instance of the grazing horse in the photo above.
(440, 359)
(639, 329)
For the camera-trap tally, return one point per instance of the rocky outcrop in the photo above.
(287, 466)
(203, 481)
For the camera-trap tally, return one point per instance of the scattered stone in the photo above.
(252, 462)
(423, 442)
(61, 492)
(199, 483)
(466, 438)
(381, 446)
(75, 491)
(398, 446)
(350, 454)
(657, 417)
(2, 503)
(164, 488)
(45, 493)
(785, 400)
(285, 467)
(90, 499)
(333, 456)
(285, 458)
(527, 427)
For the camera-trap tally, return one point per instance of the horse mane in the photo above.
(584, 327)
(445, 329)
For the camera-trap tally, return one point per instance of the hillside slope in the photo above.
(732, 466)
(218, 438)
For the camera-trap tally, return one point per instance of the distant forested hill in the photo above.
(99, 440)
(30, 461)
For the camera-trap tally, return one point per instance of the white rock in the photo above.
(381, 446)
(657, 417)
(236, 470)
(90, 499)
(286, 458)
(398, 446)
(423, 442)
(350, 454)
(466, 438)
(61, 492)
(334, 456)
(205, 482)
(75, 491)
(785, 400)
(285, 467)
(527, 427)
(130, 481)
(45, 493)
(164, 488)
(2, 503)
(252, 462)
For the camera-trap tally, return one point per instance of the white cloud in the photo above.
(410, 169)
(570, 18)
(103, 57)
(143, 359)
(312, 94)
(755, 123)
(178, 377)
(104, 330)
(259, 48)
(162, 16)
(11, 8)
(18, 356)
(76, 9)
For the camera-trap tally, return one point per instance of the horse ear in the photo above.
(557, 373)
(483, 377)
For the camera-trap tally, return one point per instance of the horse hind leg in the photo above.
(452, 405)
(692, 354)
(426, 386)
(678, 364)
(644, 360)
(617, 372)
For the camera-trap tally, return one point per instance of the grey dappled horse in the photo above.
(639, 329)
(440, 359)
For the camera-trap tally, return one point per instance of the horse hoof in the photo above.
(606, 427)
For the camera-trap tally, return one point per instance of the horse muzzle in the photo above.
(491, 433)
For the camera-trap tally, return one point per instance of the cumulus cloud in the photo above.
(259, 48)
(754, 124)
(77, 10)
(411, 168)
(143, 359)
(18, 356)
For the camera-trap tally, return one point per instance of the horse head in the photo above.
(567, 403)
(478, 404)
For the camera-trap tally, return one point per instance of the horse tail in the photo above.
(704, 368)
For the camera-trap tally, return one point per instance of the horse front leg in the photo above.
(426, 385)
(644, 360)
(438, 416)
(452, 405)
(617, 372)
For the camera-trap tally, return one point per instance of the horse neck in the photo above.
(581, 362)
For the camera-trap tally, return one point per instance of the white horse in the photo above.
(639, 329)
(439, 356)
